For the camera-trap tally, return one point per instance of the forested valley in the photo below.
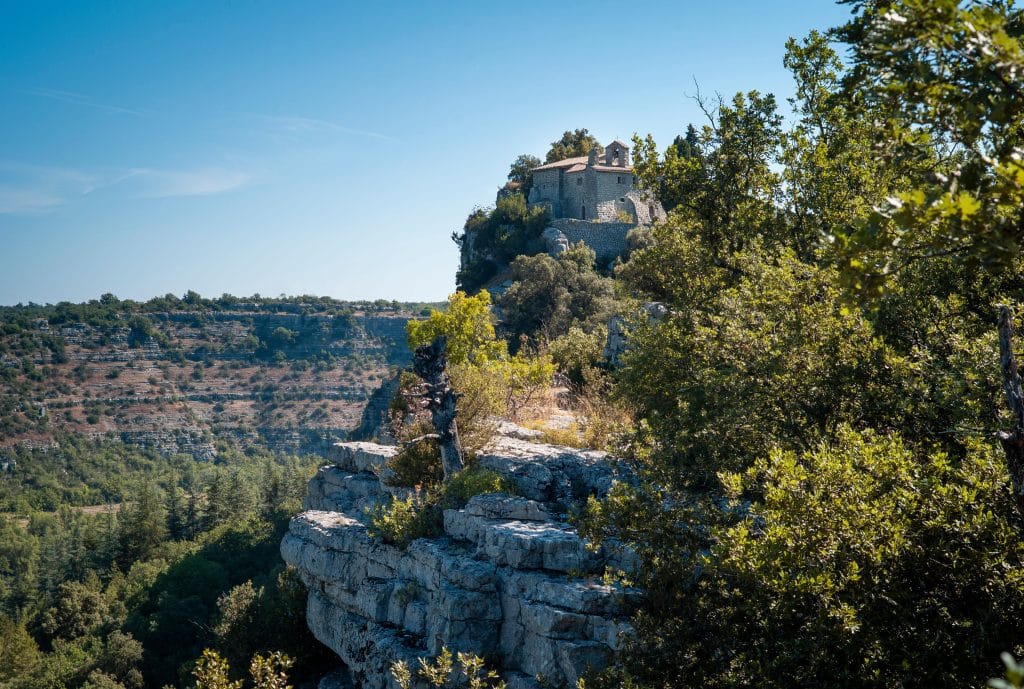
(151, 454)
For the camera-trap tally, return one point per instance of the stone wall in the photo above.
(547, 190)
(509, 578)
(610, 189)
(607, 239)
(595, 194)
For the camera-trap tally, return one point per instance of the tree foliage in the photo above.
(521, 173)
(723, 179)
(550, 295)
(772, 359)
(819, 501)
(944, 76)
(492, 238)
(19, 652)
(491, 381)
(573, 144)
(468, 326)
(862, 564)
(464, 671)
(115, 599)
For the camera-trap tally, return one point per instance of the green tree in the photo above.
(490, 239)
(19, 567)
(941, 73)
(282, 337)
(176, 514)
(120, 660)
(219, 506)
(548, 296)
(80, 608)
(727, 187)
(98, 679)
(521, 172)
(834, 177)
(784, 548)
(468, 325)
(142, 526)
(573, 144)
(862, 564)
(242, 625)
(773, 359)
(578, 353)
(18, 650)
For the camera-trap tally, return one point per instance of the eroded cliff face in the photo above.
(509, 579)
(197, 379)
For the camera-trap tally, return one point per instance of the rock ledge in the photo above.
(509, 579)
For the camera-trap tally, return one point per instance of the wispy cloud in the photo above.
(21, 201)
(37, 189)
(311, 125)
(83, 100)
(200, 182)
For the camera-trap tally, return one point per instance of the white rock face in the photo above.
(509, 578)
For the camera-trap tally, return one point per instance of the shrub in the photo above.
(267, 672)
(489, 381)
(403, 521)
(548, 295)
(861, 563)
(471, 481)
(468, 325)
(420, 515)
(606, 422)
(522, 380)
(577, 351)
(480, 403)
(417, 464)
(472, 672)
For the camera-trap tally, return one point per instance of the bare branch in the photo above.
(430, 364)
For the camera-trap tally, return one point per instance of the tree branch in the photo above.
(1012, 441)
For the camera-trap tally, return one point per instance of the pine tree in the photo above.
(176, 515)
(274, 493)
(193, 518)
(143, 526)
(218, 508)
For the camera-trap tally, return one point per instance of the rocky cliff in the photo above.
(190, 381)
(509, 579)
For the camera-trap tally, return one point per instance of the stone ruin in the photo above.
(509, 579)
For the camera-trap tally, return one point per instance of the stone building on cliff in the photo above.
(592, 199)
(598, 187)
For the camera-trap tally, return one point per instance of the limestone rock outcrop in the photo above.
(509, 579)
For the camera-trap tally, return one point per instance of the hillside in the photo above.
(195, 375)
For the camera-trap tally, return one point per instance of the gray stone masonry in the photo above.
(594, 188)
(607, 239)
(509, 579)
(593, 200)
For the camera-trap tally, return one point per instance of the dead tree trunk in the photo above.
(430, 363)
(1013, 440)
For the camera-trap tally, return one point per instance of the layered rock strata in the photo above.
(509, 579)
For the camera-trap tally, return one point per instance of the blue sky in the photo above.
(327, 148)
